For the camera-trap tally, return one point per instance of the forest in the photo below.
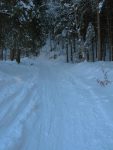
(56, 74)
(79, 29)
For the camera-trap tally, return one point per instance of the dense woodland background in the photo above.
(79, 29)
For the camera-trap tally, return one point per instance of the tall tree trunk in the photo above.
(109, 37)
(112, 53)
(93, 51)
(99, 52)
(104, 50)
(74, 44)
(62, 43)
(96, 43)
(67, 53)
(1, 53)
(12, 54)
(71, 51)
(5, 57)
(18, 56)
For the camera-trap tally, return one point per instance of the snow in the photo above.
(26, 6)
(101, 5)
(46, 104)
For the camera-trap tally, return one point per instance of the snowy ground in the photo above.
(51, 105)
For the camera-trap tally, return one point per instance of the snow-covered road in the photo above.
(54, 106)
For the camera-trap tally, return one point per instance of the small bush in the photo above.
(105, 81)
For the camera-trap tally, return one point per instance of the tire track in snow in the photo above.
(24, 102)
(7, 104)
(95, 114)
(55, 108)
(88, 121)
(55, 117)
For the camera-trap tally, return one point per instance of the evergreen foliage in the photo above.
(21, 28)
(81, 29)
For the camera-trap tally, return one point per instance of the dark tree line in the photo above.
(106, 31)
(80, 29)
(21, 28)
(84, 28)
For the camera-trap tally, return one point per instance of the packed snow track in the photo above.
(47, 105)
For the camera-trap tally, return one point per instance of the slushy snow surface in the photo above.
(51, 105)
